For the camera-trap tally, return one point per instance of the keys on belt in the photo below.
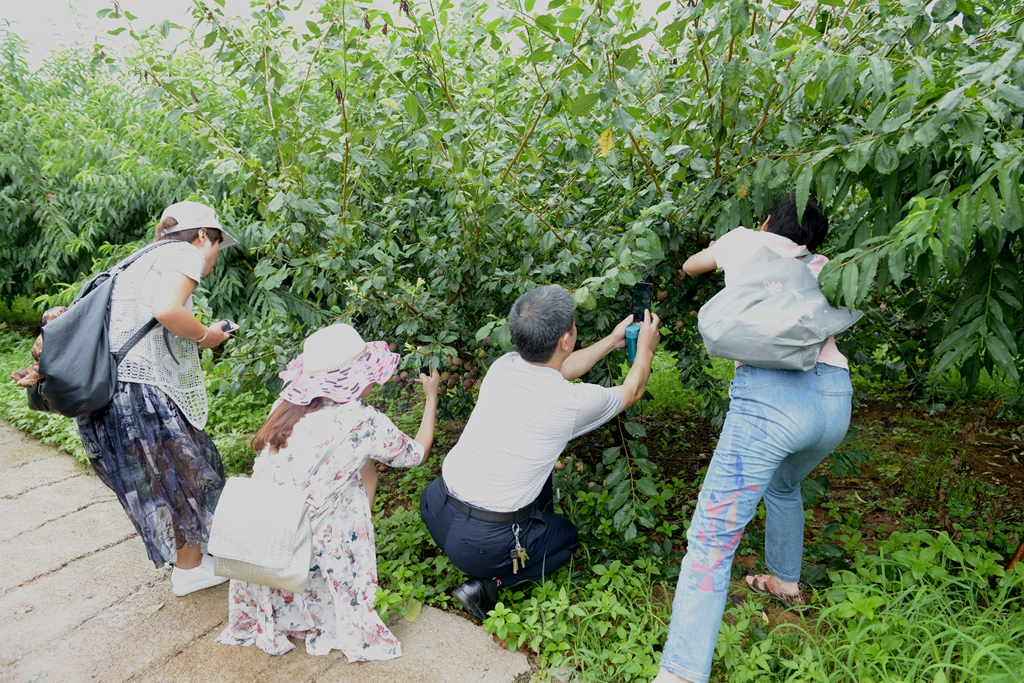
(518, 554)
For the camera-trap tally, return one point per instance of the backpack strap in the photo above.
(148, 327)
(136, 338)
(123, 265)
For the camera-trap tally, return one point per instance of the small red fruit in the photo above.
(467, 384)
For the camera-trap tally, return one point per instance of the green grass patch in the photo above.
(894, 601)
(15, 354)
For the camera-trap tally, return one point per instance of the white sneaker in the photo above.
(185, 581)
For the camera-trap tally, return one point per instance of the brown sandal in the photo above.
(762, 584)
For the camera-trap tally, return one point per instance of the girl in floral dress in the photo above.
(321, 405)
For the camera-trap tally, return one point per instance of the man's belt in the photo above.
(485, 515)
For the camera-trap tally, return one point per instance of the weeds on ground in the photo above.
(892, 605)
(15, 354)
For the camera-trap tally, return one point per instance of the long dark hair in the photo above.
(276, 431)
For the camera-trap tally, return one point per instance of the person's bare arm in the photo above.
(425, 435)
(700, 263)
(580, 362)
(635, 384)
(170, 311)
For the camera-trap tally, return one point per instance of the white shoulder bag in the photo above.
(261, 531)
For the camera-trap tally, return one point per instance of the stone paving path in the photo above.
(77, 592)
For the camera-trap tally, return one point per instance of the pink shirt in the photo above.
(736, 247)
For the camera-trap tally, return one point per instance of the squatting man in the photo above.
(491, 509)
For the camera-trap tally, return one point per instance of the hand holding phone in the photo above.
(229, 327)
(643, 293)
(425, 370)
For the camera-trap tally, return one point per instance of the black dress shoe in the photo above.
(475, 599)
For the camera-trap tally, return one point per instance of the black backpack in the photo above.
(77, 371)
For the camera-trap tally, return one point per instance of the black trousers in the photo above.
(483, 549)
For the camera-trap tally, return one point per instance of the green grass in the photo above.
(914, 606)
(52, 429)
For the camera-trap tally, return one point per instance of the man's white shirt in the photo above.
(524, 416)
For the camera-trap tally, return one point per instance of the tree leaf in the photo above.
(609, 91)
(739, 16)
(622, 120)
(857, 158)
(886, 159)
(851, 284)
(605, 142)
(943, 9)
(919, 30)
(1001, 355)
(803, 189)
(151, 609)
(635, 429)
(647, 487)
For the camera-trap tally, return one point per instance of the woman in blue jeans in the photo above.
(780, 425)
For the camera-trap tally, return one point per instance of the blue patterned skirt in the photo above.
(166, 473)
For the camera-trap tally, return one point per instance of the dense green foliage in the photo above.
(415, 172)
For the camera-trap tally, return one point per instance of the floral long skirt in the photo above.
(166, 473)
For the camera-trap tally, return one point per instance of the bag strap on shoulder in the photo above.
(136, 338)
(123, 265)
(148, 327)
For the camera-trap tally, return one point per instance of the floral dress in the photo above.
(336, 611)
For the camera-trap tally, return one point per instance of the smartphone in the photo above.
(229, 327)
(425, 370)
(643, 292)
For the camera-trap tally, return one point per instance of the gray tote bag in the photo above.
(773, 316)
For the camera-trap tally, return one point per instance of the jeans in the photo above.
(780, 425)
(483, 549)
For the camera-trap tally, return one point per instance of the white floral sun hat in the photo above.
(337, 364)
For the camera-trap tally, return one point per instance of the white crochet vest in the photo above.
(161, 358)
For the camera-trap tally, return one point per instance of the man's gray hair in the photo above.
(538, 320)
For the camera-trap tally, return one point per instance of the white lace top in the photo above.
(161, 358)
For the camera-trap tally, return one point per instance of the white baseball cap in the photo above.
(191, 215)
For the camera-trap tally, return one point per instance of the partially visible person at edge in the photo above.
(148, 445)
(494, 494)
(322, 406)
(780, 425)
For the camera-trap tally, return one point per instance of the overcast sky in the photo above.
(50, 24)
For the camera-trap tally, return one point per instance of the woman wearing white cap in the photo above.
(321, 409)
(148, 444)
